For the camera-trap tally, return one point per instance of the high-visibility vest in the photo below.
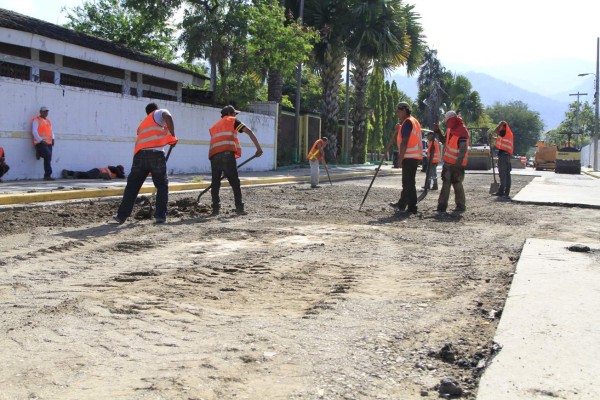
(44, 130)
(506, 143)
(1, 152)
(105, 173)
(434, 152)
(150, 134)
(414, 147)
(451, 152)
(224, 137)
(314, 152)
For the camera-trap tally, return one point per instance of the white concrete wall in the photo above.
(587, 155)
(95, 129)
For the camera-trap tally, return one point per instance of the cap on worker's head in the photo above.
(44, 108)
(121, 168)
(403, 106)
(228, 110)
(325, 139)
(449, 115)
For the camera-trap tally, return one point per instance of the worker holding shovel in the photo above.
(153, 134)
(224, 150)
(314, 157)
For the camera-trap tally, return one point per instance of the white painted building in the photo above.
(97, 92)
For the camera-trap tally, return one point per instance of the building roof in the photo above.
(19, 22)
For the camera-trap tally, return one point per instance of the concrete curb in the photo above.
(78, 194)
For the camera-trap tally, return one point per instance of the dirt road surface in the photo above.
(303, 298)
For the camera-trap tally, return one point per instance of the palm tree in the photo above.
(431, 95)
(386, 35)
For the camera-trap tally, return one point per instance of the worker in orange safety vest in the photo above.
(315, 156)
(43, 140)
(156, 131)
(504, 144)
(433, 155)
(3, 166)
(455, 160)
(409, 141)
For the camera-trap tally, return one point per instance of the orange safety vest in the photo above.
(44, 130)
(106, 174)
(314, 152)
(506, 143)
(1, 152)
(451, 152)
(434, 152)
(414, 147)
(224, 137)
(150, 134)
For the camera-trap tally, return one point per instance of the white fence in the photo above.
(587, 155)
(94, 129)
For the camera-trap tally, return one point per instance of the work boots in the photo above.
(434, 187)
(239, 209)
(215, 210)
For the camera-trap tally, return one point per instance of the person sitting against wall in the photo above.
(3, 166)
(107, 173)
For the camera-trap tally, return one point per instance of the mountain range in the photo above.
(546, 87)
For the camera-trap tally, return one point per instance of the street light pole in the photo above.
(596, 100)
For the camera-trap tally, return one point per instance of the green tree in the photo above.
(431, 94)
(119, 22)
(384, 35)
(462, 98)
(525, 124)
(579, 122)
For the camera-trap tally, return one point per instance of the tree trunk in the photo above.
(331, 77)
(275, 86)
(360, 77)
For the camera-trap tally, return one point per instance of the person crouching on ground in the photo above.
(314, 157)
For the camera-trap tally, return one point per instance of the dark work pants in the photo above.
(144, 163)
(225, 164)
(408, 196)
(504, 169)
(45, 151)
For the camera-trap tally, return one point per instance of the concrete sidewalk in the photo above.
(550, 327)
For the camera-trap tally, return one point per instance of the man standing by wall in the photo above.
(224, 149)
(315, 156)
(153, 134)
(504, 144)
(43, 140)
(408, 137)
(455, 160)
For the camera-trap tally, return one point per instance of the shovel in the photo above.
(495, 185)
(327, 170)
(376, 172)
(223, 177)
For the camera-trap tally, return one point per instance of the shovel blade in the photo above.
(494, 187)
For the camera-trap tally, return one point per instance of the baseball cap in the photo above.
(228, 110)
(449, 115)
(44, 108)
(403, 106)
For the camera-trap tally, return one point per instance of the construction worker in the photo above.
(314, 157)
(504, 144)
(108, 173)
(155, 132)
(3, 166)
(433, 155)
(224, 150)
(409, 140)
(455, 160)
(43, 140)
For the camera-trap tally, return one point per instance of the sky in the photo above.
(474, 35)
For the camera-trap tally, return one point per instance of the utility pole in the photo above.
(596, 100)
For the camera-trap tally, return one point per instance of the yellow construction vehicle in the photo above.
(545, 157)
